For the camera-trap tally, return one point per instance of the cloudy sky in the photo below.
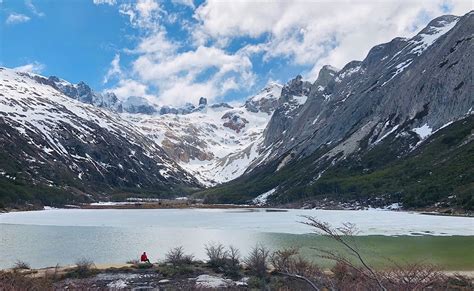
(173, 52)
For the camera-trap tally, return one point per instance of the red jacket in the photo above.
(143, 258)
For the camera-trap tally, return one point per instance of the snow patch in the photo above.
(427, 39)
(301, 100)
(423, 131)
(262, 198)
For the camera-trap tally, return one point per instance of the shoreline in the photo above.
(189, 204)
(117, 266)
(196, 275)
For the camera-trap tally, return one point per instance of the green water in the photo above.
(449, 252)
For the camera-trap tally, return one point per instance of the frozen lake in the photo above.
(45, 238)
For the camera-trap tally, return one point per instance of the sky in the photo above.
(173, 52)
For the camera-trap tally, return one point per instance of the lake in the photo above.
(62, 236)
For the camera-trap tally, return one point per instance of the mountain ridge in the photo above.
(403, 93)
(359, 108)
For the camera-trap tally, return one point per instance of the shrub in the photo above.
(176, 270)
(144, 265)
(84, 268)
(287, 263)
(21, 265)
(176, 256)
(18, 281)
(255, 283)
(414, 277)
(217, 255)
(257, 261)
(233, 263)
(223, 260)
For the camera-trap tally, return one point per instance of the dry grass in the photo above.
(10, 281)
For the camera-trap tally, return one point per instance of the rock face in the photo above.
(266, 100)
(293, 96)
(406, 83)
(49, 139)
(81, 92)
(234, 120)
(134, 104)
(402, 92)
(202, 101)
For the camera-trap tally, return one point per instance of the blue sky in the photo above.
(172, 52)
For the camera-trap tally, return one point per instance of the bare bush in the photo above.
(344, 235)
(362, 276)
(234, 255)
(413, 277)
(347, 278)
(21, 265)
(287, 263)
(257, 261)
(224, 260)
(18, 281)
(176, 256)
(216, 254)
(84, 268)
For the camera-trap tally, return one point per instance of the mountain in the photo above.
(215, 143)
(58, 148)
(359, 132)
(81, 92)
(396, 127)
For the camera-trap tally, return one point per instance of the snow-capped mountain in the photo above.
(216, 143)
(287, 142)
(372, 128)
(48, 138)
(404, 81)
(81, 92)
(68, 123)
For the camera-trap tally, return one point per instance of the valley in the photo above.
(350, 137)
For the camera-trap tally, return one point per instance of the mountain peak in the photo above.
(439, 22)
(266, 100)
(326, 74)
(202, 101)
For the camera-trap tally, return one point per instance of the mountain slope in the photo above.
(438, 172)
(406, 89)
(61, 145)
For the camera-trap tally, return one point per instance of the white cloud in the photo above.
(157, 45)
(177, 74)
(308, 33)
(144, 14)
(33, 9)
(114, 70)
(15, 18)
(34, 67)
(108, 2)
(129, 87)
(316, 32)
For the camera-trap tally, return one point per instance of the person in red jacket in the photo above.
(144, 258)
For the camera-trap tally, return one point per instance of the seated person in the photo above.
(144, 258)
